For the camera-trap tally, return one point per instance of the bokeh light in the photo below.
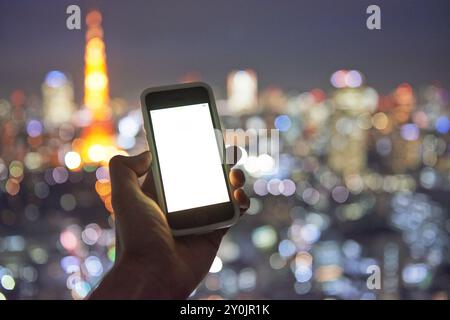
(359, 177)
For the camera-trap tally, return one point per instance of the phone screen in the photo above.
(189, 158)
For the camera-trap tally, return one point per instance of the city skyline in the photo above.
(359, 179)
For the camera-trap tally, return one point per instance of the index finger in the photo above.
(237, 178)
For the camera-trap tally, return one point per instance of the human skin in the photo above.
(150, 262)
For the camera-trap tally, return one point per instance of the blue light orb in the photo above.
(410, 132)
(282, 123)
(34, 128)
(442, 124)
(55, 79)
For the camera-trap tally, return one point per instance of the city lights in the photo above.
(362, 179)
(72, 160)
(344, 78)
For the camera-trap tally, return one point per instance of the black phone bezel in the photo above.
(200, 216)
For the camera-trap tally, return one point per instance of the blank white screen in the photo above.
(189, 157)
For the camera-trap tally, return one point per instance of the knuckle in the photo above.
(115, 161)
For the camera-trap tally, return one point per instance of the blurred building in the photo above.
(58, 99)
(350, 122)
(242, 87)
(406, 136)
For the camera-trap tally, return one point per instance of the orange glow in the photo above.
(97, 143)
(96, 84)
(97, 146)
(108, 205)
(93, 19)
(328, 273)
(404, 102)
(95, 51)
(303, 258)
(12, 187)
(103, 188)
(318, 94)
(404, 94)
(77, 144)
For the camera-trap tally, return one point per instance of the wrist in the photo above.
(149, 280)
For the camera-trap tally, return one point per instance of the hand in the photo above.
(150, 262)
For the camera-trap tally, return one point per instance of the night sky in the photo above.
(292, 44)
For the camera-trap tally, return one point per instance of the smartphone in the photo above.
(190, 174)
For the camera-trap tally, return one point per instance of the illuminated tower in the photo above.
(57, 93)
(98, 138)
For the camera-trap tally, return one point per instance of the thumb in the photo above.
(124, 172)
